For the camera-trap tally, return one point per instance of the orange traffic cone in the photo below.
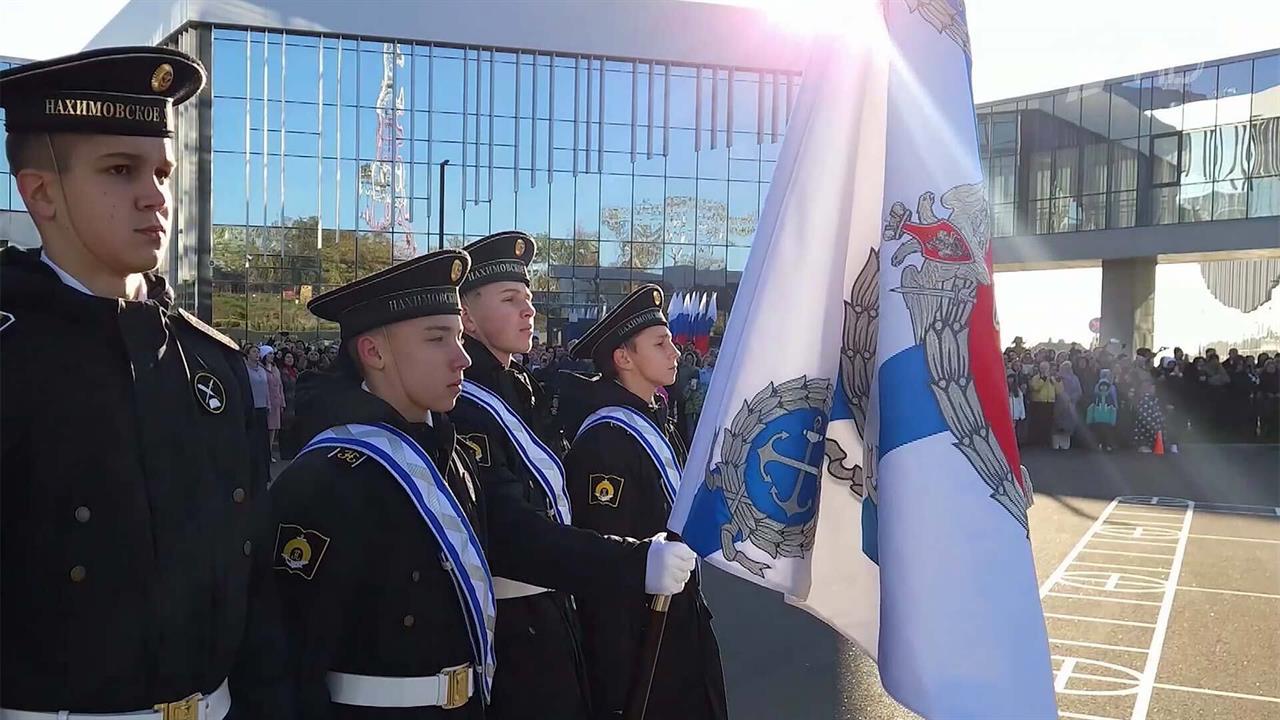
(1159, 446)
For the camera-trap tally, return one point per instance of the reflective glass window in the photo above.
(1266, 86)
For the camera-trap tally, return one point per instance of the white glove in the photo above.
(668, 566)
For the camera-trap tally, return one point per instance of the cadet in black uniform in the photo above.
(616, 487)
(387, 618)
(503, 416)
(131, 570)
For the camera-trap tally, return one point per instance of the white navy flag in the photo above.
(855, 451)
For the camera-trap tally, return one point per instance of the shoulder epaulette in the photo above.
(207, 329)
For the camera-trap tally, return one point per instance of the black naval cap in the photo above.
(109, 91)
(640, 310)
(425, 285)
(500, 257)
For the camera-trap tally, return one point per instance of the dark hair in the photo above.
(603, 359)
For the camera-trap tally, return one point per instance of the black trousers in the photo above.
(260, 442)
(1040, 416)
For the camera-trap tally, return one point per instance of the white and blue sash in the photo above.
(410, 465)
(651, 438)
(540, 460)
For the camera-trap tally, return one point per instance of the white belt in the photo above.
(450, 689)
(504, 589)
(196, 707)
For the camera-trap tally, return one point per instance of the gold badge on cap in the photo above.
(162, 78)
(456, 272)
(519, 246)
(657, 298)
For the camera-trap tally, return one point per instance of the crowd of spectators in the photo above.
(1104, 399)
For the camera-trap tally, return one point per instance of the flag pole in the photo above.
(642, 680)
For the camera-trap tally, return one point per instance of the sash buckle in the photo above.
(457, 686)
(185, 709)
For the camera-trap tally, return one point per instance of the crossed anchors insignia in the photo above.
(947, 17)
(940, 295)
(771, 494)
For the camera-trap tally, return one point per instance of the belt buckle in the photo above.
(457, 680)
(185, 709)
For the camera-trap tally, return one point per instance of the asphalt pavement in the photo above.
(1160, 577)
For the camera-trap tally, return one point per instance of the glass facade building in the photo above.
(316, 158)
(327, 154)
(1179, 146)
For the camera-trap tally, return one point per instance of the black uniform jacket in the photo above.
(134, 537)
(615, 487)
(374, 596)
(540, 668)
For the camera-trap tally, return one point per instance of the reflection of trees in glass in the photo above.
(648, 222)
(559, 251)
(616, 221)
(539, 282)
(710, 258)
(586, 253)
(743, 226)
(646, 256)
(712, 222)
(680, 220)
(278, 273)
(679, 255)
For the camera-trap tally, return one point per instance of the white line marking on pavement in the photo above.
(1147, 514)
(1125, 552)
(1082, 716)
(1127, 567)
(1224, 693)
(1063, 675)
(1229, 592)
(1268, 509)
(1133, 542)
(1143, 703)
(1141, 523)
(1057, 574)
(1229, 537)
(1100, 646)
(1063, 616)
(1099, 597)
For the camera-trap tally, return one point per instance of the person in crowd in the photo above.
(1042, 389)
(289, 372)
(259, 382)
(1017, 403)
(708, 369)
(1066, 394)
(680, 394)
(132, 512)
(1102, 412)
(1269, 401)
(1148, 419)
(275, 396)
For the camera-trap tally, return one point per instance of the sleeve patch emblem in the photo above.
(478, 445)
(299, 550)
(605, 490)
